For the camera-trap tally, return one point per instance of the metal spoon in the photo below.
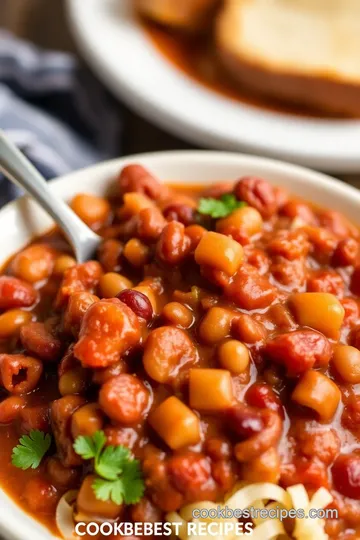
(15, 166)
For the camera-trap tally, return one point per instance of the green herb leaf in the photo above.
(133, 482)
(112, 462)
(90, 447)
(119, 476)
(109, 490)
(31, 450)
(220, 208)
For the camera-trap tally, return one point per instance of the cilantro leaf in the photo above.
(106, 490)
(133, 482)
(90, 447)
(219, 208)
(31, 450)
(119, 476)
(112, 461)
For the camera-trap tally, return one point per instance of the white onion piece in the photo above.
(64, 515)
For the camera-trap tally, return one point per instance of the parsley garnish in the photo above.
(31, 450)
(119, 476)
(219, 208)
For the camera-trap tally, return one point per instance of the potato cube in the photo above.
(210, 389)
(175, 423)
(220, 252)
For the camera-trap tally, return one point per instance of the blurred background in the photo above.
(48, 99)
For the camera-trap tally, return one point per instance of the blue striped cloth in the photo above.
(57, 113)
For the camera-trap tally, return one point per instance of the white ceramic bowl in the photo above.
(112, 41)
(21, 220)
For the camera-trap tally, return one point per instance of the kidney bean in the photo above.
(19, 374)
(327, 281)
(35, 418)
(180, 212)
(40, 496)
(136, 178)
(124, 399)
(138, 303)
(10, 409)
(173, 244)
(38, 340)
(244, 421)
(262, 396)
(346, 475)
(61, 412)
(259, 436)
(79, 278)
(109, 255)
(151, 223)
(190, 473)
(250, 290)
(15, 293)
(289, 244)
(109, 328)
(346, 253)
(299, 351)
(167, 350)
(257, 193)
(323, 243)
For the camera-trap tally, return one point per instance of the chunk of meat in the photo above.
(79, 303)
(81, 277)
(124, 399)
(299, 351)
(15, 293)
(109, 328)
(250, 290)
(60, 414)
(38, 340)
(190, 473)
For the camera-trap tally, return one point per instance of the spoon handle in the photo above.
(15, 166)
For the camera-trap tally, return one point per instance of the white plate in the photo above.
(22, 220)
(124, 58)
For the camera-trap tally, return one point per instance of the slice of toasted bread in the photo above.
(303, 51)
(187, 15)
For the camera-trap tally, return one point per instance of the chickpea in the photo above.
(220, 252)
(91, 209)
(178, 314)
(321, 311)
(112, 284)
(247, 220)
(347, 363)
(175, 423)
(34, 263)
(136, 252)
(318, 392)
(234, 356)
(73, 381)
(87, 420)
(215, 326)
(63, 263)
(11, 322)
